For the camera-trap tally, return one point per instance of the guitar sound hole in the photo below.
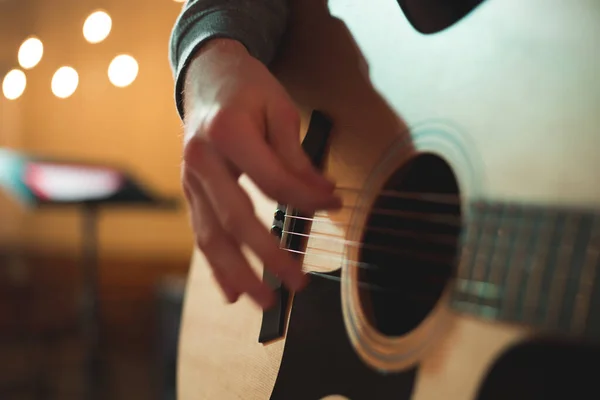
(410, 253)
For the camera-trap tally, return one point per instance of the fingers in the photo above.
(283, 127)
(230, 268)
(202, 219)
(233, 209)
(249, 152)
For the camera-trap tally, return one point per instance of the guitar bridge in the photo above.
(275, 319)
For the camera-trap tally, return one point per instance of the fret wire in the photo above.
(538, 268)
(490, 292)
(467, 253)
(524, 273)
(511, 231)
(589, 277)
(498, 262)
(549, 275)
(467, 287)
(488, 225)
(513, 274)
(577, 261)
(529, 260)
(592, 303)
(557, 287)
(502, 265)
(584, 296)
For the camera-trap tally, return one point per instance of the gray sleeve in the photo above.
(257, 24)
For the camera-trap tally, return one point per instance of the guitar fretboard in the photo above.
(533, 265)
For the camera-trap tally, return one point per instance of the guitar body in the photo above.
(497, 116)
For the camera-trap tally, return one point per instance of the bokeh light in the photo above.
(14, 84)
(30, 52)
(97, 26)
(64, 82)
(123, 70)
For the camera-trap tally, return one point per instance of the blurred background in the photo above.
(94, 238)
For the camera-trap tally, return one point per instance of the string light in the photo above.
(97, 26)
(123, 70)
(30, 52)
(64, 82)
(14, 84)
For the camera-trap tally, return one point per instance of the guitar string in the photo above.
(341, 259)
(441, 198)
(356, 264)
(430, 197)
(444, 218)
(418, 256)
(439, 239)
(418, 297)
(448, 238)
(391, 250)
(427, 196)
(419, 196)
(361, 284)
(424, 257)
(493, 231)
(506, 221)
(367, 285)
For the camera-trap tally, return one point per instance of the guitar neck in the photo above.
(531, 265)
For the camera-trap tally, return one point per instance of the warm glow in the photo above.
(97, 26)
(64, 82)
(123, 70)
(14, 84)
(30, 52)
(180, 1)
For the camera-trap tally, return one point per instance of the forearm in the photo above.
(257, 24)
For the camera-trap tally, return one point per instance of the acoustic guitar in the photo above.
(463, 137)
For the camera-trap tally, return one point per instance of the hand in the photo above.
(239, 119)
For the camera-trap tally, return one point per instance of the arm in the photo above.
(257, 24)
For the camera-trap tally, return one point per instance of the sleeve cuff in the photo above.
(192, 30)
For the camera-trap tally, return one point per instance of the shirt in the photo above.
(258, 24)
